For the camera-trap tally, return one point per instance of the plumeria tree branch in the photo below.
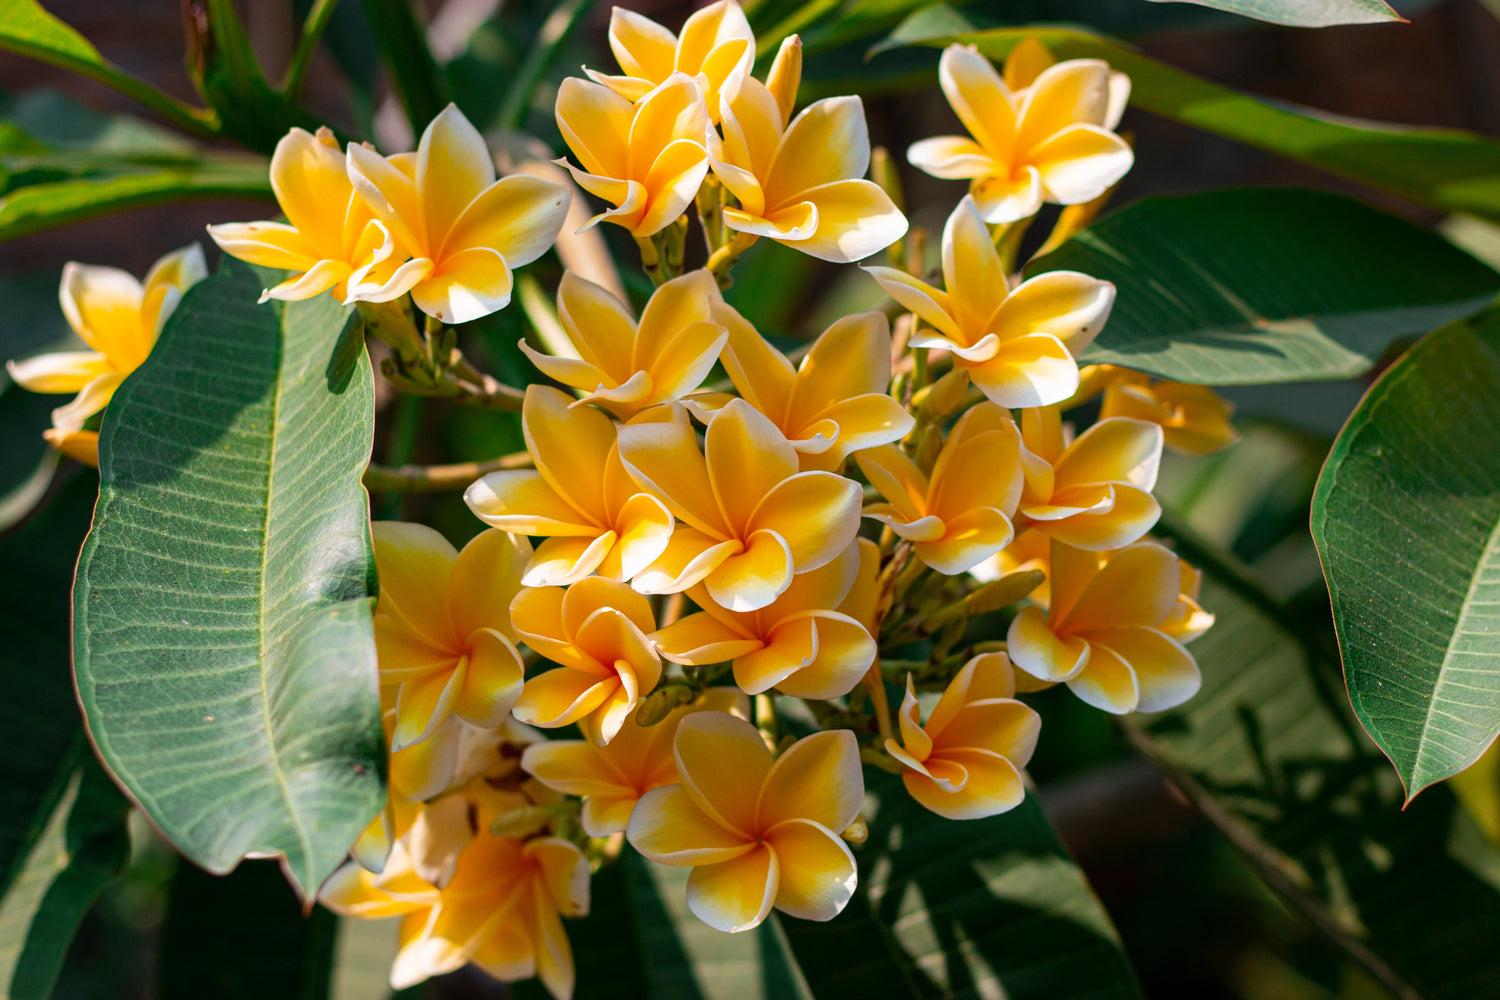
(437, 478)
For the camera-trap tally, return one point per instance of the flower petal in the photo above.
(735, 895)
(416, 567)
(747, 457)
(1034, 648)
(930, 304)
(844, 653)
(815, 513)
(520, 501)
(972, 272)
(1069, 92)
(561, 697)
(559, 562)
(702, 638)
(268, 244)
(1114, 450)
(753, 578)
(423, 704)
(486, 576)
(992, 785)
(103, 306)
(1166, 673)
(312, 187)
(61, 371)
(1081, 162)
(723, 764)
(827, 143)
(855, 219)
(980, 98)
(663, 457)
(818, 778)
(1107, 682)
(1004, 199)
(571, 447)
(467, 285)
(787, 649)
(668, 827)
(968, 540)
(818, 873)
(1033, 370)
(1125, 521)
(519, 217)
(453, 167)
(952, 157)
(689, 557)
(1072, 307)
(492, 682)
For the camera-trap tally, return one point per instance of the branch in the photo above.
(437, 478)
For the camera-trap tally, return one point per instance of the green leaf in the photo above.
(1447, 169)
(1270, 754)
(28, 30)
(243, 936)
(222, 633)
(1305, 13)
(991, 907)
(62, 823)
(1407, 521)
(402, 41)
(1251, 286)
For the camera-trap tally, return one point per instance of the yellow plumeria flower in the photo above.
(1194, 419)
(799, 644)
(330, 234)
(646, 159)
(611, 779)
(596, 630)
(715, 44)
(831, 405)
(1019, 344)
(463, 230)
(966, 762)
(750, 519)
(499, 911)
(443, 632)
(1103, 633)
(758, 831)
(119, 318)
(1094, 492)
(961, 514)
(1051, 142)
(801, 183)
(1188, 620)
(579, 497)
(625, 367)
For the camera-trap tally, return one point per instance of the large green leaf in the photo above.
(1447, 169)
(981, 908)
(1407, 520)
(62, 823)
(1271, 755)
(222, 635)
(1305, 13)
(243, 936)
(1246, 286)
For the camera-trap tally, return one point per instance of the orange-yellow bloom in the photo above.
(1051, 142)
(961, 515)
(751, 520)
(758, 832)
(330, 234)
(831, 405)
(966, 762)
(463, 230)
(442, 627)
(596, 630)
(612, 778)
(625, 367)
(579, 496)
(1103, 633)
(1020, 345)
(119, 318)
(801, 183)
(1194, 419)
(499, 911)
(715, 44)
(1095, 492)
(647, 159)
(798, 644)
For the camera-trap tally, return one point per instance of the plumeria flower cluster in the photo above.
(704, 530)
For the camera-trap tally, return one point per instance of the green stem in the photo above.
(723, 258)
(765, 719)
(436, 478)
(312, 33)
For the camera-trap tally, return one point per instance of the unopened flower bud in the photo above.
(858, 831)
(657, 705)
(786, 76)
(521, 822)
(928, 446)
(942, 397)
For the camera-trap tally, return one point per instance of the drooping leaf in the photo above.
(222, 633)
(1251, 286)
(1271, 755)
(990, 907)
(62, 823)
(243, 936)
(1305, 13)
(1406, 518)
(1450, 170)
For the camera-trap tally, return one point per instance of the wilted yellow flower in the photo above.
(443, 633)
(759, 832)
(647, 159)
(961, 515)
(1095, 492)
(596, 630)
(612, 778)
(801, 183)
(120, 319)
(715, 43)
(831, 405)
(799, 644)
(625, 367)
(966, 762)
(579, 496)
(751, 520)
(1194, 419)
(1020, 346)
(330, 234)
(499, 911)
(1103, 633)
(1052, 141)
(463, 230)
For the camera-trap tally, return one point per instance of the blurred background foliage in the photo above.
(1195, 914)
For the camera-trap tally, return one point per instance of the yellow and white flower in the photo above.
(715, 44)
